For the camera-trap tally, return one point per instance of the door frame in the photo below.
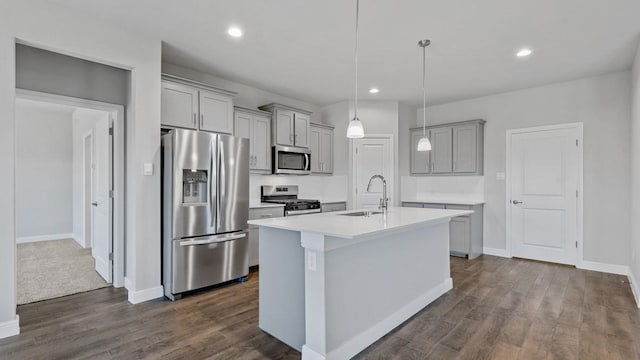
(579, 126)
(86, 204)
(391, 182)
(117, 115)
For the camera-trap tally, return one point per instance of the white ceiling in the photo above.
(304, 49)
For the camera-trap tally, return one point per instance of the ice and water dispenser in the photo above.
(194, 187)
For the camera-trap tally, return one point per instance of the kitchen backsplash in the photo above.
(323, 188)
(468, 186)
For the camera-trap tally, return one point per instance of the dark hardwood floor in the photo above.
(499, 308)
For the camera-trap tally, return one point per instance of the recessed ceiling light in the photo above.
(235, 32)
(524, 52)
(374, 90)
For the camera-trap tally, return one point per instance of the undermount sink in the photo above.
(362, 213)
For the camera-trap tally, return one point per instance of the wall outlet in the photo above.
(147, 169)
(499, 176)
(311, 260)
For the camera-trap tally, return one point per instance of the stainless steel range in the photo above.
(288, 195)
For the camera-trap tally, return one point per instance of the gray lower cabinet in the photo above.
(465, 232)
(334, 206)
(254, 237)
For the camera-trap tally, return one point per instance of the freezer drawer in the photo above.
(206, 261)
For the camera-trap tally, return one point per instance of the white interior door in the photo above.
(102, 203)
(543, 204)
(372, 156)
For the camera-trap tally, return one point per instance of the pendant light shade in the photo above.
(355, 129)
(424, 144)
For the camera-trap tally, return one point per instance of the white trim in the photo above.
(10, 328)
(391, 182)
(580, 201)
(86, 242)
(48, 237)
(355, 345)
(127, 284)
(137, 297)
(603, 267)
(117, 113)
(634, 287)
(496, 252)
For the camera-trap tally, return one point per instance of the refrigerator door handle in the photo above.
(213, 239)
(213, 200)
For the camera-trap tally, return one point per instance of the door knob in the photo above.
(95, 203)
(516, 202)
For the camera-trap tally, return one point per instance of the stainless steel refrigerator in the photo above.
(205, 210)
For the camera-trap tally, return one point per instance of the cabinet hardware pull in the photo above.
(201, 120)
(194, 119)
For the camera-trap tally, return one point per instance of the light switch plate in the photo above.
(311, 260)
(147, 169)
(499, 176)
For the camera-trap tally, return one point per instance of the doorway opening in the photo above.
(544, 193)
(68, 215)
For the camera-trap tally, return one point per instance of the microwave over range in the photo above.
(289, 160)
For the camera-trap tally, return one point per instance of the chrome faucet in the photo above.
(384, 201)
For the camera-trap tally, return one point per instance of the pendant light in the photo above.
(355, 129)
(424, 144)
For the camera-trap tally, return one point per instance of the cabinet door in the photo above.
(242, 125)
(316, 150)
(283, 127)
(216, 112)
(419, 159)
(301, 130)
(465, 149)
(459, 235)
(441, 150)
(261, 143)
(326, 150)
(179, 105)
(254, 247)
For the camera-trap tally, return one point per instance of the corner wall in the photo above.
(634, 271)
(603, 104)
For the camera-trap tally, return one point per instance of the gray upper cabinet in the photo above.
(290, 126)
(441, 149)
(420, 160)
(179, 105)
(216, 112)
(255, 126)
(456, 149)
(193, 105)
(321, 145)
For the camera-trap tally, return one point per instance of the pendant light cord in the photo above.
(356, 61)
(424, 92)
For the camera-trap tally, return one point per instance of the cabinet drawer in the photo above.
(434, 206)
(264, 213)
(334, 207)
(412, 205)
(459, 207)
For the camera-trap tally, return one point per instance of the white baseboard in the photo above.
(495, 252)
(603, 267)
(137, 297)
(372, 334)
(634, 287)
(29, 239)
(10, 328)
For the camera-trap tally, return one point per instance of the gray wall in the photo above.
(43, 170)
(46, 71)
(603, 104)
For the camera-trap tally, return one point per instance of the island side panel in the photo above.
(371, 287)
(281, 307)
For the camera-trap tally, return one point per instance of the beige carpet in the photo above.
(50, 269)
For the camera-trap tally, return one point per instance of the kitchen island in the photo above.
(332, 284)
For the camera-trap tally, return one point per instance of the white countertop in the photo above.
(443, 199)
(264, 205)
(352, 227)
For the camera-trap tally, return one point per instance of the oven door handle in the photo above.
(302, 212)
(213, 239)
